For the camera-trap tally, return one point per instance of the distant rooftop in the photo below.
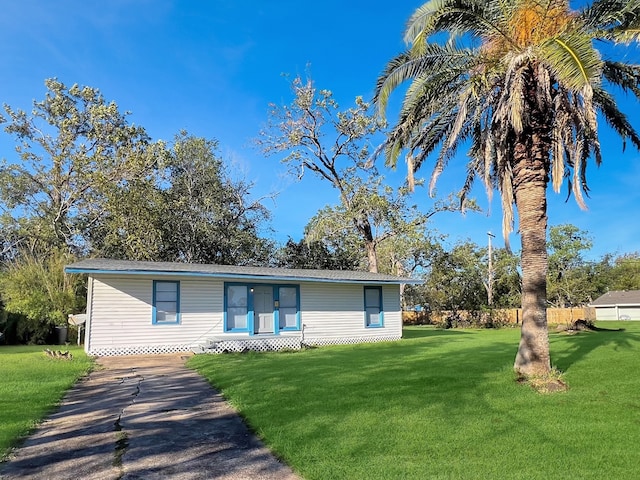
(618, 297)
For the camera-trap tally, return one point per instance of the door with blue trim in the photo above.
(263, 309)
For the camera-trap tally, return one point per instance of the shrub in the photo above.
(37, 296)
(471, 319)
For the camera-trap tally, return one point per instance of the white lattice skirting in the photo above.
(350, 340)
(139, 350)
(287, 343)
(240, 345)
(255, 345)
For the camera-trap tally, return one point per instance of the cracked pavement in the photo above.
(143, 417)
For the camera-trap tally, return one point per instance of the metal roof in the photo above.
(619, 298)
(127, 267)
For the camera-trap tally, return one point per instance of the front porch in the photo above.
(244, 343)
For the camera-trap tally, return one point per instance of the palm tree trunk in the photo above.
(530, 185)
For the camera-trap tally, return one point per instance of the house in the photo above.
(618, 305)
(159, 307)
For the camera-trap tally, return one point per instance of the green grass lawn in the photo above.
(443, 405)
(31, 385)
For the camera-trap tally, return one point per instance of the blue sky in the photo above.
(212, 68)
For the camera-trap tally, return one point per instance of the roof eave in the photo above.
(239, 276)
(609, 305)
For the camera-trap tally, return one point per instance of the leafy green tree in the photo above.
(397, 229)
(520, 83)
(457, 279)
(38, 289)
(208, 216)
(188, 210)
(315, 135)
(568, 281)
(315, 255)
(409, 253)
(72, 148)
(454, 280)
(330, 228)
(507, 282)
(625, 272)
(133, 225)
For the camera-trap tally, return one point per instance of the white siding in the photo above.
(119, 311)
(606, 313)
(614, 313)
(336, 311)
(632, 312)
(87, 324)
(121, 314)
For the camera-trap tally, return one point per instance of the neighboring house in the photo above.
(618, 305)
(159, 307)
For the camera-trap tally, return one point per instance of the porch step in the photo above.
(256, 344)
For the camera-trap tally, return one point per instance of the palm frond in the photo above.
(506, 194)
(461, 118)
(430, 93)
(512, 103)
(398, 70)
(626, 35)
(422, 21)
(623, 75)
(434, 91)
(510, 109)
(489, 158)
(559, 135)
(590, 130)
(472, 173)
(614, 117)
(446, 154)
(579, 153)
(572, 59)
(615, 20)
(458, 17)
(533, 81)
(544, 87)
(405, 67)
(431, 137)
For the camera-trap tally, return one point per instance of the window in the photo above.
(288, 308)
(166, 302)
(373, 307)
(237, 301)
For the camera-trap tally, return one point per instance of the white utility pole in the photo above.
(490, 272)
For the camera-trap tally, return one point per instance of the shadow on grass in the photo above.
(429, 331)
(325, 399)
(426, 389)
(600, 329)
(580, 344)
(351, 379)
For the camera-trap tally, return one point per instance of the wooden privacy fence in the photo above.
(555, 316)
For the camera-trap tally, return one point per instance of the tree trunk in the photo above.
(363, 226)
(533, 352)
(530, 178)
(372, 255)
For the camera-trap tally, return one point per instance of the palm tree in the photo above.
(520, 83)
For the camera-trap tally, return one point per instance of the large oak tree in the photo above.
(315, 135)
(72, 149)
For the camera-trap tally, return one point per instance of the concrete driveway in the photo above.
(143, 417)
